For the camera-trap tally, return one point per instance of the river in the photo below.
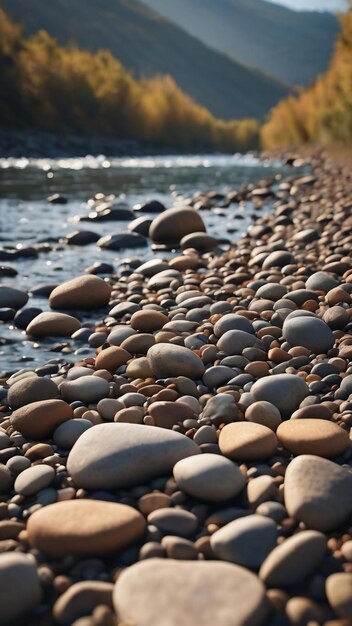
(28, 219)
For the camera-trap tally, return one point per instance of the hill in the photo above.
(63, 90)
(149, 45)
(322, 113)
(293, 46)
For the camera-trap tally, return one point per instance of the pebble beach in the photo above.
(184, 457)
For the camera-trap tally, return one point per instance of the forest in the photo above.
(321, 113)
(63, 89)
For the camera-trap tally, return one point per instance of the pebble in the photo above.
(309, 332)
(24, 317)
(81, 599)
(152, 501)
(87, 389)
(173, 224)
(339, 594)
(231, 321)
(292, 561)
(5, 479)
(209, 477)
(167, 360)
(83, 292)
(172, 592)
(20, 590)
(313, 436)
(321, 281)
(38, 420)
(53, 325)
(285, 391)
(179, 548)
(261, 489)
(34, 479)
(12, 298)
(66, 435)
(246, 541)
(244, 441)
(112, 358)
(84, 528)
(221, 409)
(264, 413)
(148, 321)
(166, 414)
(279, 258)
(317, 492)
(235, 341)
(31, 389)
(110, 456)
(174, 522)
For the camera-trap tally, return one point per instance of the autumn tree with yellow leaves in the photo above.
(322, 113)
(66, 90)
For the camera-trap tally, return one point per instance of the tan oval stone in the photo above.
(154, 501)
(313, 436)
(31, 389)
(209, 477)
(139, 368)
(83, 292)
(184, 262)
(313, 411)
(53, 325)
(138, 344)
(294, 559)
(112, 358)
(147, 321)
(160, 592)
(130, 415)
(317, 492)
(168, 360)
(264, 413)
(171, 225)
(242, 441)
(38, 420)
(339, 593)
(167, 414)
(84, 528)
(81, 599)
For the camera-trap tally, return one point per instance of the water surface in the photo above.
(27, 218)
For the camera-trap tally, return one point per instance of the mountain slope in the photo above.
(149, 45)
(290, 45)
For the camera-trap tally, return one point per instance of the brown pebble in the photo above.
(313, 436)
(243, 441)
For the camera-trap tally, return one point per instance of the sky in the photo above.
(318, 5)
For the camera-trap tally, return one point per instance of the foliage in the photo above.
(322, 113)
(68, 90)
(149, 45)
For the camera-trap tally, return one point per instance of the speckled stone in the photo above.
(161, 592)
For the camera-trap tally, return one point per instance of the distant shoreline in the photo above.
(39, 144)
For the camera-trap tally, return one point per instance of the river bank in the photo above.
(39, 144)
(194, 422)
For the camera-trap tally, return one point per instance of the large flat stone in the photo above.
(170, 593)
(110, 456)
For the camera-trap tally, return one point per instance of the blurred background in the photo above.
(190, 75)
